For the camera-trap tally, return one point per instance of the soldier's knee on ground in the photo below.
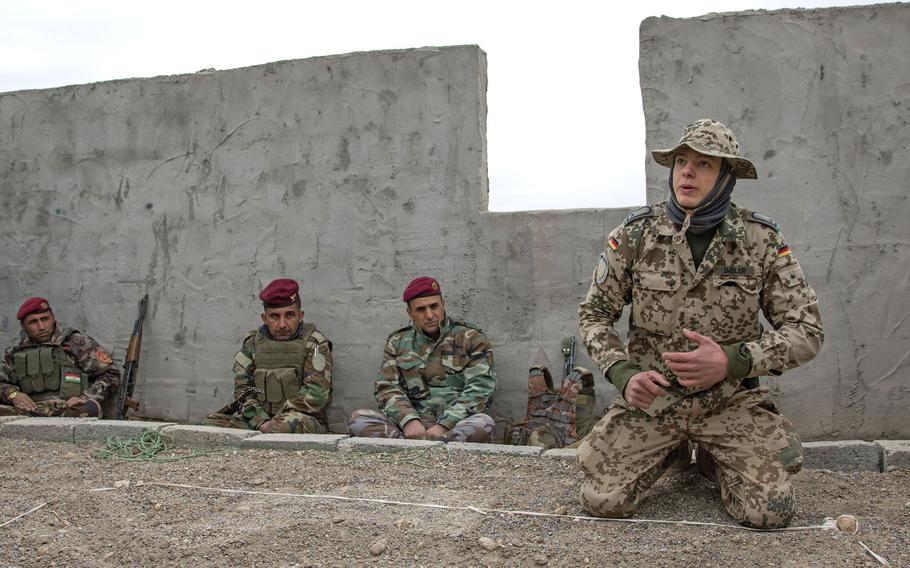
(297, 423)
(759, 506)
(600, 501)
(476, 428)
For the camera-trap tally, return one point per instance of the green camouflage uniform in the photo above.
(70, 363)
(747, 271)
(297, 406)
(449, 381)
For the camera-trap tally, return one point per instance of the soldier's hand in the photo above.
(414, 430)
(436, 432)
(24, 403)
(703, 367)
(644, 387)
(266, 426)
(74, 401)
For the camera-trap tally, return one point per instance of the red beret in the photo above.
(280, 293)
(32, 306)
(420, 287)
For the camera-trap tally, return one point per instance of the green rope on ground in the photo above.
(147, 446)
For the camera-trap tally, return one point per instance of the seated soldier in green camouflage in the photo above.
(54, 370)
(283, 372)
(436, 377)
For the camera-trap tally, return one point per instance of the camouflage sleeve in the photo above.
(791, 307)
(392, 398)
(244, 365)
(610, 291)
(479, 381)
(96, 363)
(6, 372)
(315, 392)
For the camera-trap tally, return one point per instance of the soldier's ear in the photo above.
(263, 317)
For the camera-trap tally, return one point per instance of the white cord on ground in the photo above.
(828, 525)
(874, 555)
(29, 512)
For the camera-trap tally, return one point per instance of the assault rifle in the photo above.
(568, 356)
(131, 364)
(243, 396)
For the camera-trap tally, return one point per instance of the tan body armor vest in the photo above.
(47, 371)
(279, 368)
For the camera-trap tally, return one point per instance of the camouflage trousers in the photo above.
(57, 407)
(367, 423)
(290, 422)
(746, 447)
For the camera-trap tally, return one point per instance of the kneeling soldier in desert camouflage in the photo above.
(436, 377)
(54, 370)
(698, 272)
(288, 362)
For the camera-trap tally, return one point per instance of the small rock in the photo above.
(70, 455)
(337, 520)
(258, 481)
(402, 524)
(378, 547)
(42, 551)
(122, 483)
(156, 507)
(540, 560)
(847, 524)
(561, 510)
(487, 543)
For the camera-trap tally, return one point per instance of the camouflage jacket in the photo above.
(444, 380)
(747, 270)
(316, 379)
(91, 358)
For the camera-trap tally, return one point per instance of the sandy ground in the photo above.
(151, 525)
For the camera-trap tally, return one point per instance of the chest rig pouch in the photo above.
(48, 370)
(558, 418)
(279, 368)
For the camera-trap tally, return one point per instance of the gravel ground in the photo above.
(149, 525)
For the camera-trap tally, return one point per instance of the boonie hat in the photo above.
(714, 139)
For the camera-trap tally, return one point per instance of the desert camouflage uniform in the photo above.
(747, 270)
(76, 354)
(449, 381)
(301, 412)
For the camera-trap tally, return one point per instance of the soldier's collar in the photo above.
(731, 229)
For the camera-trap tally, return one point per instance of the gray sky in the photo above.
(562, 76)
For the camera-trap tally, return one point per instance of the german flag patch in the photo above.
(614, 244)
(783, 250)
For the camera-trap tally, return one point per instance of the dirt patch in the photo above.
(152, 525)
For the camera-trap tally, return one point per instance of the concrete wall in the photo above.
(820, 100)
(356, 173)
(352, 174)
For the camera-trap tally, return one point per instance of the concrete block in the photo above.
(895, 454)
(327, 442)
(101, 430)
(187, 436)
(384, 445)
(46, 429)
(842, 455)
(568, 454)
(495, 449)
(5, 419)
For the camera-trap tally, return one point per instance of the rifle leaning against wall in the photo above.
(125, 399)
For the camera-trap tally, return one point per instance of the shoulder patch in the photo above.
(639, 213)
(764, 220)
(602, 270)
(102, 356)
(243, 361)
(318, 336)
